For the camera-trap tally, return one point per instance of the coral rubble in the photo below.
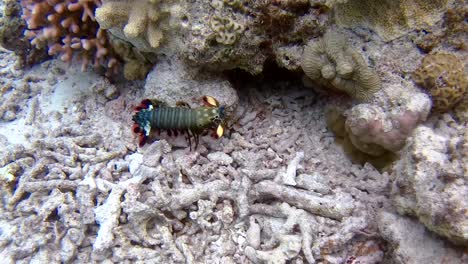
(75, 188)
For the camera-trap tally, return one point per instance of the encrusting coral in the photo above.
(332, 63)
(227, 30)
(443, 76)
(452, 31)
(390, 19)
(66, 28)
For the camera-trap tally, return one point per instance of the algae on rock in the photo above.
(390, 19)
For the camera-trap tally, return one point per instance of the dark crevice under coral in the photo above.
(273, 76)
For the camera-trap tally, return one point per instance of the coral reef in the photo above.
(220, 35)
(215, 34)
(450, 33)
(142, 21)
(388, 119)
(430, 179)
(443, 76)
(379, 157)
(330, 62)
(390, 19)
(67, 28)
(75, 188)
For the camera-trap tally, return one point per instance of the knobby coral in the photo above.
(67, 27)
(443, 76)
(330, 62)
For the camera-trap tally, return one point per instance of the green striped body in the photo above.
(178, 118)
(154, 115)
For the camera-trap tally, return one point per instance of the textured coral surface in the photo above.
(271, 190)
(431, 186)
(443, 76)
(68, 28)
(331, 62)
(278, 188)
(390, 19)
(139, 19)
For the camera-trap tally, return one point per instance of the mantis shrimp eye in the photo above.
(220, 131)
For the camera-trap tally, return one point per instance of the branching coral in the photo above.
(443, 76)
(332, 63)
(141, 19)
(66, 28)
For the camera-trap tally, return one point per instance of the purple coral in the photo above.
(68, 28)
(386, 124)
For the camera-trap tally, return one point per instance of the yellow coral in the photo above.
(330, 62)
(443, 76)
(140, 17)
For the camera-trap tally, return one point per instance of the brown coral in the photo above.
(66, 28)
(443, 76)
(330, 62)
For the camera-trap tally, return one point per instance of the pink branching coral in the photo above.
(68, 27)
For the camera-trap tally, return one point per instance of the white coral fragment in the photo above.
(289, 178)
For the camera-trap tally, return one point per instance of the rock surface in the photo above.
(411, 243)
(430, 180)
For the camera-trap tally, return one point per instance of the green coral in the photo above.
(443, 76)
(331, 63)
